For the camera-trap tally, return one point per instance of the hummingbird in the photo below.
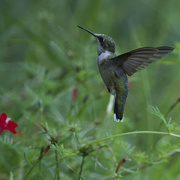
(114, 69)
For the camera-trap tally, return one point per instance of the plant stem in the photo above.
(57, 165)
(82, 164)
(129, 133)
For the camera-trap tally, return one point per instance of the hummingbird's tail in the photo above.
(118, 111)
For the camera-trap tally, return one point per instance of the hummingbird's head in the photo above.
(105, 43)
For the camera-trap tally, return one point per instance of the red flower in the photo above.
(75, 94)
(7, 124)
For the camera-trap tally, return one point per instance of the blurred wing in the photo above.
(138, 59)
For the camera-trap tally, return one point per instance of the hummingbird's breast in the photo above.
(106, 70)
(116, 84)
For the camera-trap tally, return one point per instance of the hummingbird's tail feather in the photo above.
(118, 112)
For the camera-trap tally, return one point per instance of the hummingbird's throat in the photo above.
(104, 56)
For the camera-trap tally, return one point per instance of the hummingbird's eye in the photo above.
(100, 39)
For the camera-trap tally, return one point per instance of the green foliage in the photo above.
(155, 111)
(44, 58)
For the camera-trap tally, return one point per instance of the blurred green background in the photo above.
(44, 56)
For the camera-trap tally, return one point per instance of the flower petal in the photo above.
(3, 117)
(7, 124)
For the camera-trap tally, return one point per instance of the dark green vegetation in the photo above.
(44, 57)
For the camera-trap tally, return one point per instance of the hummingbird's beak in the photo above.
(88, 31)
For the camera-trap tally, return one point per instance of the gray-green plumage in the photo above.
(114, 69)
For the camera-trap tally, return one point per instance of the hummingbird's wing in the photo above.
(138, 59)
